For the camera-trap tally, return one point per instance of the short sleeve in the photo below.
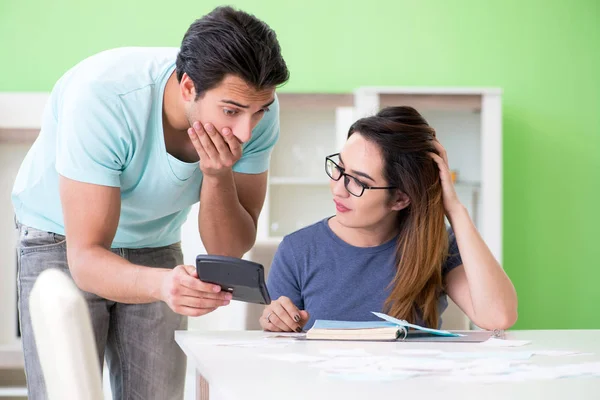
(454, 259)
(283, 278)
(256, 153)
(92, 134)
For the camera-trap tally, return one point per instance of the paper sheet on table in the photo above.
(483, 366)
(367, 375)
(260, 342)
(487, 367)
(386, 363)
(418, 352)
(507, 354)
(529, 373)
(495, 342)
(560, 353)
(294, 357)
(422, 366)
(349, 363)
(356, 352)
(284, 335)
(486, 355)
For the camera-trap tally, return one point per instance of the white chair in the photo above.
(262, 253)
(64, 338)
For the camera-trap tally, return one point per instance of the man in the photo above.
(130, 139)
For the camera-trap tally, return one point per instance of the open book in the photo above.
(389, 329)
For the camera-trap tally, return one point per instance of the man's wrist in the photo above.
(218, 179)
(150, 281)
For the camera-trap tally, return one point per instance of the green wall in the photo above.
(545, 55)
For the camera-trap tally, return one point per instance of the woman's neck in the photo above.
(367, 236)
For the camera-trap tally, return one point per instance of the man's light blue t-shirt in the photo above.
(103, 125)
(334, 280)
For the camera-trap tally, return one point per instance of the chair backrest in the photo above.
(64, 338)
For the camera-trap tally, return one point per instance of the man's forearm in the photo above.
(225, 226)
(99, 271)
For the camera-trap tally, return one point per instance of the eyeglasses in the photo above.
(352, 184)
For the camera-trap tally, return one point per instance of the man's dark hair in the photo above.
(229, 41)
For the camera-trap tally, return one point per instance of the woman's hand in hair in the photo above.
(283, 316)
(450, 198)
(218, 151)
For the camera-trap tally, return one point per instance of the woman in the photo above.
(387, 247)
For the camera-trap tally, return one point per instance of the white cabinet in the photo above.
(312, 127)
(20, 117)
(468, 122)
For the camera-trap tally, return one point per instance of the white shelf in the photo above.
(468, 122)
(429, 90)
(22, 110)
(11, 359)
(311, 101)
(369, 99)
(287, 180)
(292, 207)
(15, 391)
(18, 135)
(11, 356)
(467, 185)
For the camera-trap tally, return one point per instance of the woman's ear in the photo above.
(401, 202)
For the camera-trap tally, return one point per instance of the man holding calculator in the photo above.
(130, 139)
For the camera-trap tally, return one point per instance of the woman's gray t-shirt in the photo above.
(334, 280)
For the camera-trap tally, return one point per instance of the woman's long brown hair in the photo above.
(405, 139)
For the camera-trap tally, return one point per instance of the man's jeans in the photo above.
(143, 359)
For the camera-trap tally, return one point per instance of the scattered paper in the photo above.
(419, 352)
(349, 363)
(504, 355)
(560, 353)
(509, 354)
(529, 373)
(484, 367)
(495, 342)
(487, 367)
(293, 357)
(386, 363)
(260, 342)
(418, 364)
(345, 352)
(494, 378)
(481, 366)
(283, 335)
(366, 375)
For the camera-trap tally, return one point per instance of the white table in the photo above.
(240, 373)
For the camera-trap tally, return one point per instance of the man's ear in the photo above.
(188, 90)
(401, 201)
